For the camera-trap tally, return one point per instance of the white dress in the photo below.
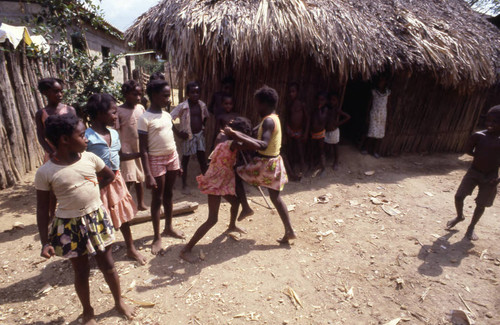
(378, 114)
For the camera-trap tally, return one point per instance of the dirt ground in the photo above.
(352, 263)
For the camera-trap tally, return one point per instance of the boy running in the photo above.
(484, 146)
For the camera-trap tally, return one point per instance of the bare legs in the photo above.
(478, 213)
(129, 242)
(283, 213)
(105, 263)
(242, 196)
(372, 146)
(163, 194)
(202, 161)
(213, 215)
(139, 190)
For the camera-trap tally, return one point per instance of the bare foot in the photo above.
(245, 213)
(286, 239)
(88, 317)
(126, 310)
(135, 255)
(236, 229)
(142, 207)
(471, 235)
(156, 247)
(335, 166)
(185, 190)
(173, 233)
(185, 254)
(452, 223)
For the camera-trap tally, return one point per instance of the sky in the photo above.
(122, 13)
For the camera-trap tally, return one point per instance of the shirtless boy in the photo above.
(297, 129)
(484, 146)
(193, 114)
(318, 124)
(336, 117)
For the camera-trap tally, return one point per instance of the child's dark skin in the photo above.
(197, 124)
(228, 115)
(255, 144)
(99, 125)
(297, 119)
(54, 106)
(213, 213)
(318, 123)
(161, 186)
(68, 152)
(54, 97)
(484, 146)
(133, 98)
(336, 118)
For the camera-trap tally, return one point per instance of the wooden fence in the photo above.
(20, 152)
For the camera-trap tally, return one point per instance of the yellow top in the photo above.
(274, 146)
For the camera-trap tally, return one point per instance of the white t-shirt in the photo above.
(158, 127)
(75, 186)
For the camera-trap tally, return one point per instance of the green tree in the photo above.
(85, 73)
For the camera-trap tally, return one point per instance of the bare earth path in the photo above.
(353, 263)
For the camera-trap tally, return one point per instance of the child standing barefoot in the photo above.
(193, 114)
(266, 169)
(318, 124)
(105, 143)
(81, 226)
(159, 158)
(126, 124)
(51, 88)
(334, 121)
(484, 146)
(219, 180)
(378, 117)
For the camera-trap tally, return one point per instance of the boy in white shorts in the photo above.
(336, 117)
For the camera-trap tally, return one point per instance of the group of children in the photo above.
(90, 167)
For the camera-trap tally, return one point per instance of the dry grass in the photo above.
(343, 38)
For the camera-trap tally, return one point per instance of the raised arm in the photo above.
(252, 143)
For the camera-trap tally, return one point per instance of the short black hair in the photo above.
(157, 76)
(47, 83)
(98, 103)
(267, 95)
(322, 94)
(294, 84)
(129, 86)
(58, 125)
(241, 124)
(228, 80)
(495, 110)
(190, 85)
(155, 86)
(226, 96)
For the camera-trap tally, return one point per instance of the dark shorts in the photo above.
(487, 191)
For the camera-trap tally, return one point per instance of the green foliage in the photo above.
(85, 74)
(149, 65)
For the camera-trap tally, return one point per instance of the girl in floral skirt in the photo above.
(219, 181)
(81, 226)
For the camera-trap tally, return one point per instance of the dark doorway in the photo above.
(356, 100)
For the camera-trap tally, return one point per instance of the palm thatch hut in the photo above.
(442, 57)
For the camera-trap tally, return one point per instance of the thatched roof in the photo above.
(343, 37)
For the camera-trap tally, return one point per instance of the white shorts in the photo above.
(332, 137)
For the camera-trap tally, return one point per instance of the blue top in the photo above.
(98, 146)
